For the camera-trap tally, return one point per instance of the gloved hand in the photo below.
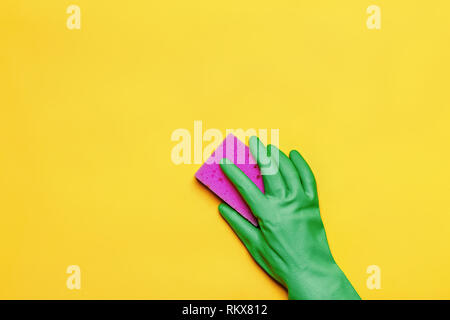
(290, 243)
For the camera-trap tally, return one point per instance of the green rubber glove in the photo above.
(290, 243)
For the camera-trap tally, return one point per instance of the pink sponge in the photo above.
(212, 176)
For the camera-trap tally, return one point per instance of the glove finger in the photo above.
(305, 173)
(287, 169)
(258, 257)
(273, 183)
(248, 233)
(248, 190)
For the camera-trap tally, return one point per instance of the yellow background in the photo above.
(86, 118)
